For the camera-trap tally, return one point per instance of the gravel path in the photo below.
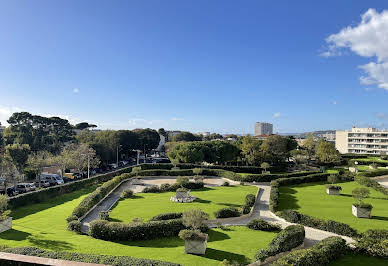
(383, 180)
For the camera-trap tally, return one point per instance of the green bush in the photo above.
(293, 216)
(113, 231)
(245, 209)
(87, 258)
(126, 194)
(71, 218)
(188, 234)
(250, 200)
(374, 243)
(152, 189)
(365, 181)
(271, 177)
(227, 212)
(74, 226)
(260, 224)
(167, 216)
(226, 184)
(289, 238)
(326, 251)
(173, 187)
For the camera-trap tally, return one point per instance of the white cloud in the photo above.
(367, 39)
(177, 119)
(140, 122)
(335, 102)
(6, 112)
(76, 90)
(276, 115)
(382, 116)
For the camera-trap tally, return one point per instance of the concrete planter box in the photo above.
(361, 212)
(197, 247)
(6, 224)
(353, 170)
(332, 191)
(182, 195)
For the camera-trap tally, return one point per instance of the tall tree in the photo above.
(18, 155)
(310, 145)
(148, 139)
(36, 162)
(327, 153)
(186, 136)
(250, 150)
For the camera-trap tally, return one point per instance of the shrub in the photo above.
(226, 184)
(74, 226)
(363, 180)
(126, 194)
(331, 226)
(167, 216)
(250, 200)
(182, 180)
(192, 235)
(194, 218)
(113, 231)
(374, 243)
(88, 258)
(360, 194)
(227, 212)
(151, 189)
(260, 224)
(198, 179)
(363, 205)
(323, 253)
(71, 218)
(182, 189)
(3, 207)
(245, 209)
(266, 177)
(289, 238)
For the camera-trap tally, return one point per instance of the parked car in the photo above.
(22, 188)
(32, 186)
(43, 183)
(11, 192)
(53, 179)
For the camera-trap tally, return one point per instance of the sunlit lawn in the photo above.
(209, 200)
(311, 199)
(44, 226)
(359, 260)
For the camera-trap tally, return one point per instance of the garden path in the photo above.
(383, 180)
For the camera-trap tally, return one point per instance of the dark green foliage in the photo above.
(323, 253)
(226, 184)
(88, 258)
(112, 231)
(366, 181)
(270, 177)
(71, 218)
(245, 209)
(189, 234)
(260, 224)
(374, 243)
(227, 212)
(151, 189)
(173, 187)
(289, 238)
(126, 194)
(74, 226)
(250, 200)
(331, 226)
(167, 216)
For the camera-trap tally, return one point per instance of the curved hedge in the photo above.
(374, 243)
(227, 212)
(289, 238)
(366, 181)
(323, 253)
(167, 216)
(88, 258)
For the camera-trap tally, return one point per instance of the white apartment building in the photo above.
(262, 128)
(362, 141)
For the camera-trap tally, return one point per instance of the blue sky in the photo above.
(214, 66)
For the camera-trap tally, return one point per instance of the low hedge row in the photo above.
(227, 212)
(369, 162)
(270, 177)
(113, 231)
(289, 238)
(326, 251)
(331, 226)
(173, 187)
(373, 243)
(275, 184)
(52, 192)
(366, 181)
(260, 224)
(88, 258)
(93, 198)
(167, 216)
(374, 173)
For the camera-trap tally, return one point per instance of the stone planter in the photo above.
(6, 224)
(332, 191)
(353, 170)
(197, 247)
(182, 194)
(361, 212)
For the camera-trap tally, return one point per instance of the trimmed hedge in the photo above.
(227, 212)
(366, 181)
(260, 224)
(113, 231)
(75, 226)
(270, 177)
(331, 226)
(374, 173)
(326, 251)
(88, 258)
(250, 200)
(374, 243)
(167, 216)
(275, 184)
(52, 192)
(173, 187)
(289, 238)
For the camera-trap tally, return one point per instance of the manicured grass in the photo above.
(209, 200)
(312, 199)
(371, 159)
(44, 226)
(359, 260)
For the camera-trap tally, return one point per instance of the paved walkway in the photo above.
(383, 180)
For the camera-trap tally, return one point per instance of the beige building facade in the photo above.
(362, 141)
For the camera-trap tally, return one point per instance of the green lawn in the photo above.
(147, 205)
(359, 260)
(311, 199)
(44, 226)
(371, 159)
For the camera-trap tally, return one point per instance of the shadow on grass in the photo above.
(50, 203)
(350, 196)
(202, 200)
(14, 235)
(49, 244)
(221, 255)
(287, 200)
(382, 218)
(115, 220)
(229, 205)
(217, 235)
